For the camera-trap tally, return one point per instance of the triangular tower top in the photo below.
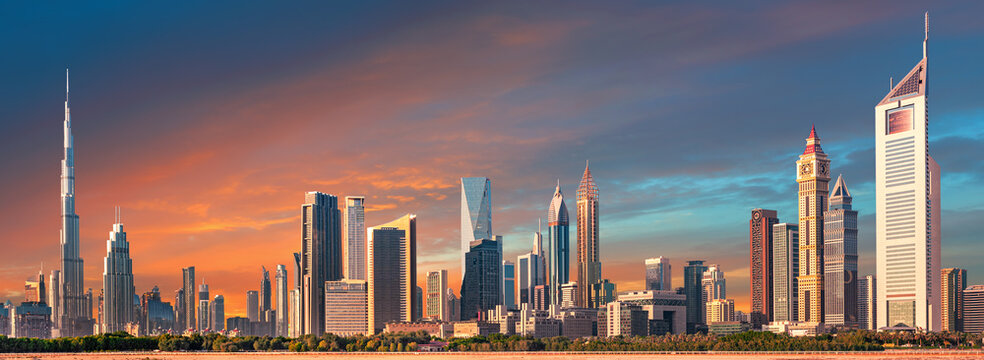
(840, 188)
(914, 83)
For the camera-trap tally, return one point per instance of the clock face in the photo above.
(823, 169)
(806, 169)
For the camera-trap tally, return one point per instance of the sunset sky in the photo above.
(207, 121)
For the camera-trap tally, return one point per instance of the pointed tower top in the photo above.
(66, 86)
(926, 37)
(914, 83)
(812, 142)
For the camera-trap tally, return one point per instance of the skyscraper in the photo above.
(216, 312)
(713, 284)
(588, 258)
(117, 281)
(785, 267)
(391, 271)
(693, 275)
(658, 274)
(531, 269)
(761, 257)
(204, 315)
(907, 198)
(354, 238)
(54, 301)
(437, 301)
(953, 281)
(973, 309)
(559, 258)
(253, 305)
(813, 174)
(294, 326)
(188, 297)
(840, 258)
(282, 301)
(75, 319)
(476, 213)
(266, 302)
(508, 284)
(866, 302)
(180, 323)
(345, 308)
(481, 288)
(321, 257)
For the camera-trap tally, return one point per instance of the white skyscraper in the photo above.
(282, 300)
(354, 238)
(907, 199)
(117, 282)
(476, 213)
(74, 319)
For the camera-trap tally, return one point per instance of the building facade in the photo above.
(973, 309)
(117, 282)
(531, 270)
(346, 305)
(720, 310)
(204, 313)
(481, 288)
(907, 198)
(693, 275)
(508, 284)
(216, 313)
(253, 305)
(761, 247)
(283, 300)
(266, 295)
(785, 267)
(476, 213)
(813, 176)
(559, 258)
(658, 274)
(840, 258)
(713, 285)
(391, 271)
(321, 256)
(437, 301)
(588, 256)
(188, 298)
(953, 281)
(354, 238)
(867, 303)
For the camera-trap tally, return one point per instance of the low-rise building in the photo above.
(625, 319)
(540, 327)
(433, 328)
(505, 317)
(475, 328)
(728, 327)
(578, 322)
(668, 308)
(31, 319)
(794, 328)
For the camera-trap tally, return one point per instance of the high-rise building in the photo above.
(693, 275)
(953, 281)
(867, 303)
(283, 298)
(294, 325)
(568, 295)
(605, 291)
(354, 238)
(588, 258)
(391, 271)
(35, 291)
(216, 311)
(713, 284)
(266, 300)
(180, 323)
(476, 213)
(840, 258)
(973, 309)
(531, 269)
(321, 257)
(188, 297)
(54, 301)
(437, 301)
(907, 198)
(761, 255)
(720, 310)
(253, 305)
(159, 315)
(812, 175)
(508, 284)
(785, 267)
(541, 297)
(74, 319)
(345, 308)
(418, 303)
(204, 313)
(559, 258)
(658, 274)
(117, 281)
(454, 307)
(481, 288)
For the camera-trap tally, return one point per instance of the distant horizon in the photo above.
(207, 130)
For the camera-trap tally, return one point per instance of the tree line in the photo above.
(403, 342)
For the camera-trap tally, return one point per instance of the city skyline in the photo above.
(270, 219)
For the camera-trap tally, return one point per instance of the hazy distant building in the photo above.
(693, 274)
(761, 249)
(713, 284)
(346, 307)
(840, 258)
(283, 299)
(481, 287)
(266, 298)
(36, 291)
(294, 325)
(558, 262)
(392, 271)
(117, 282)
(354, 238)
(418, 303)
(158, 315)
(813, 176)
(974, 309)
(204, 315)
(785, 268)
(531, 270)
(216, 311)
(454, 307)
(907, 198)
(508, 284)
(588, 254)
(658, 274)
(867, 304)
(954, 281)
(180, 323)
(321, 256)
(188, 297)
(476, 213)
(437, 301)
(253, 305)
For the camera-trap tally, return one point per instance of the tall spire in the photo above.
(926, 38)
(66, 86)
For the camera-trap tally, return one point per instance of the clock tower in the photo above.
(812, 174)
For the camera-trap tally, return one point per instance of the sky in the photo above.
(206, 122)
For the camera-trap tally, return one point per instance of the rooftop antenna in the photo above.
(926, 38)
(891, 83)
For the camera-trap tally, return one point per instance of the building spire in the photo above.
(926, 38)
(66, 86)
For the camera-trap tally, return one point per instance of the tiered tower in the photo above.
(812, 174)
